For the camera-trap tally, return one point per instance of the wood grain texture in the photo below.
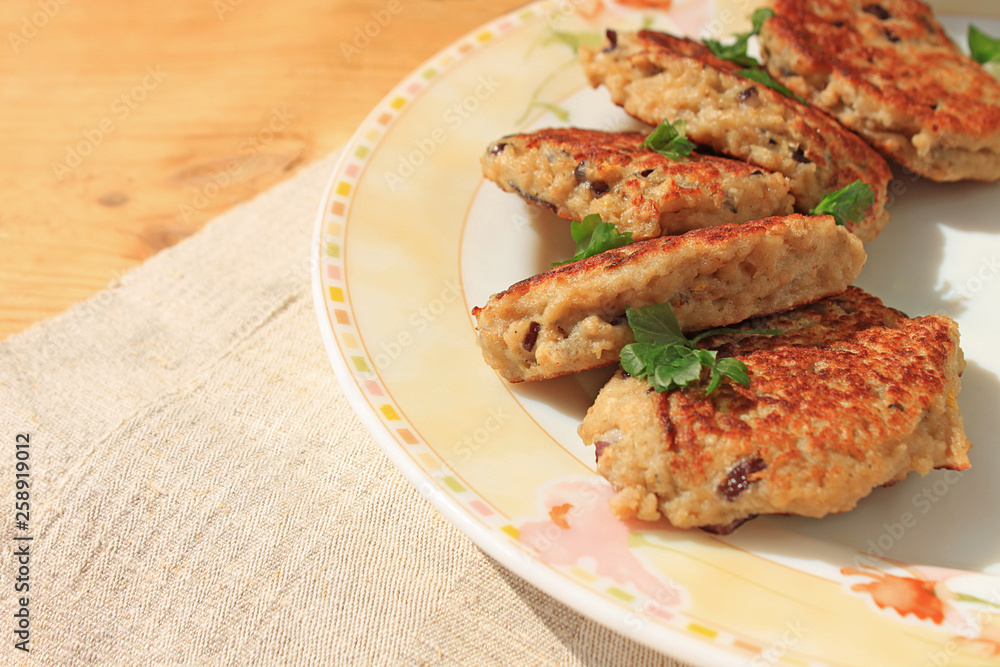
(129, 125)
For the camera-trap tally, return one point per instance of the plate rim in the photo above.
(578, 599)
(516, 559)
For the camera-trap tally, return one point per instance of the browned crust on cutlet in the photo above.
(577, 172)
(571, 318)
(706, 240)
(815, 152)
(822, 322)
(819, 427)
(888, 71)
(614, 148)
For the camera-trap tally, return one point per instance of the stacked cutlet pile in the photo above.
(813, 392)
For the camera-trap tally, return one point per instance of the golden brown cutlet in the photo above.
(888, 71)
(576, 172)
(572, 318)
(654, 76)
(852, 396)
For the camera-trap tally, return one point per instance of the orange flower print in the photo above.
(904, 594)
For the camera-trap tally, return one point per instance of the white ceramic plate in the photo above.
(410, 237)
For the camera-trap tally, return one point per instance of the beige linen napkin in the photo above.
(202, 493)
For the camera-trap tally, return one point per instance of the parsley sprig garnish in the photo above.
(667, 359)
(847, 204)
(669, 139)
(982, 47)
(737, 53)
(985, 50)
(594, 237)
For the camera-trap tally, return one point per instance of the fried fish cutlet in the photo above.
(572, 318)
(888, 71)
(858, 396)
(576, 173)
(653, 76)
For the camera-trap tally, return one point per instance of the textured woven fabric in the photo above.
(203, 494)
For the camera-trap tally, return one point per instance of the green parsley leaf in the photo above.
(678, 368)
(737, 51)
(982, 47)
(758, 17)
(847, 204)
(668, 139)
(656, 325)
(666, 359)
(594, 237)
(734, 369)
(634, 356)
(761, 76)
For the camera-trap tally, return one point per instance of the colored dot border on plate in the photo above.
(363, 368)
(335, 221)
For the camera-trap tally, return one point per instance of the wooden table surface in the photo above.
(129, 125)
